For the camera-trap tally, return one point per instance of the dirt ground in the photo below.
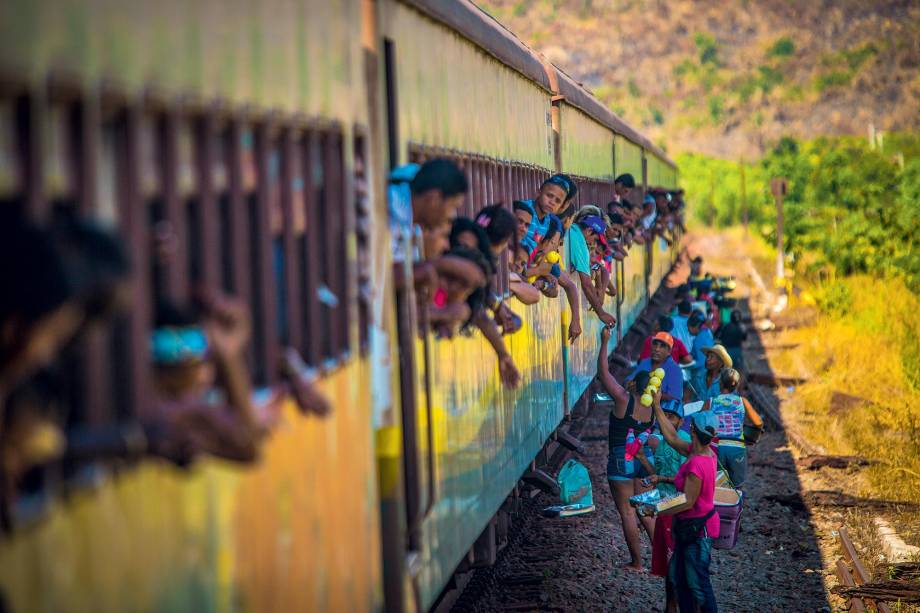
(785, 554)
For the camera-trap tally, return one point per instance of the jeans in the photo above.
(689, 573)
(734, 460)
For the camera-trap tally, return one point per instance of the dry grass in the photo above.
(865, 347)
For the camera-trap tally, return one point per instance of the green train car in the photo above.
(263, 133)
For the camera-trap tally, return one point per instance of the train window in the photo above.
(10, 169)
(254, 164)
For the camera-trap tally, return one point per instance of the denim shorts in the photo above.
(621, 469)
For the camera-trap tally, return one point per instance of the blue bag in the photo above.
(575, 484)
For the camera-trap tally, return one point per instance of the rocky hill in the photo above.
(729, 78)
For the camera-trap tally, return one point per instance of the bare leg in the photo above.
(647, 522)
(621, 491)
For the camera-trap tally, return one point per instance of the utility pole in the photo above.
(744, 206)
(778, 186)
(712, 197)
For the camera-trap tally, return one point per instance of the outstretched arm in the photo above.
(510, 375)
(667, 428)
(597, 302)
(571, 294)
(616, 391)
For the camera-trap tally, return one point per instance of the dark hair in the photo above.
(167, 314)
(665, 323)
(563, 181)
(465, 224)
(736, 316)
(704, 437)
(626, 179)
(684, 307)
(567, 212)
(95, 258)
(573, 187)
(34, 275)
(617, 219)
(641, 380)
(440, 174)
(520, 205)
(498, 223)
(475, 256)
(553, 227)
(696, 320)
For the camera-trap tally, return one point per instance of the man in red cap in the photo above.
(679, 351)
(672, 386)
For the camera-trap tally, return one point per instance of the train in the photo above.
(263, 132)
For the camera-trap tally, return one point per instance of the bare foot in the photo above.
(633, 567)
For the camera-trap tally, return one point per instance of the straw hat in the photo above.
(720, 351)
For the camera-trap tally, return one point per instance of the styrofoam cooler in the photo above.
(728, 504)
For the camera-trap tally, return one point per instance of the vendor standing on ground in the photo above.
(696, 522)
(706, 383)
(623, 473)
(731, 411)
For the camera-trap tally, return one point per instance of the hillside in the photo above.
(730, 78)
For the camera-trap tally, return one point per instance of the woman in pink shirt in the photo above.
(696, 522)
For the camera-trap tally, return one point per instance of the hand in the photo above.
(227, 324)
(574, 330)
(653, 480)
(509, 373)
(605, 334)
(656, 399)
(608, 319)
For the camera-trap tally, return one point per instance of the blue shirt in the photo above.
(538, 227)
(673, 383)
(699, 384)
(681, 332)
(703, 340)
(577, 255)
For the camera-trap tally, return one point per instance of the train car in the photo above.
(510, 119)
(245, 130)
(257, 137)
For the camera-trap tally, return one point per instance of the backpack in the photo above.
(575, 483)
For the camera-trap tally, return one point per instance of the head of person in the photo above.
(72, 274)
(524, 214)
(465, 232)
(736, 316)
(704, 425)
(729, 379)
(616, 227)
(567, 217)
(438, 189)
(717, 358)
(624, 184)
(552, 195)
(572, 189)
(661, 345)
(648, 204)
(684, 308)
(664, 324)
(695, 323)
(638, 384)
(468, 272)
(674, 412)
(593, 229)
(180, 352)
(500, 226)
(661, 199)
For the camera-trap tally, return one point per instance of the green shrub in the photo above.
(783, 47)
(835, 78)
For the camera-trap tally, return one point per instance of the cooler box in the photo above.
(728, 506)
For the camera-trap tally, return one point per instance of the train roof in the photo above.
(485, 31)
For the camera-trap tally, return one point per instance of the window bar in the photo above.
(29, 117)
(335, 258)
(175, 269)
(292, 263)
(265, 337)
(239, 253)
(207, 202)
(311, 256)
(133, 222)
